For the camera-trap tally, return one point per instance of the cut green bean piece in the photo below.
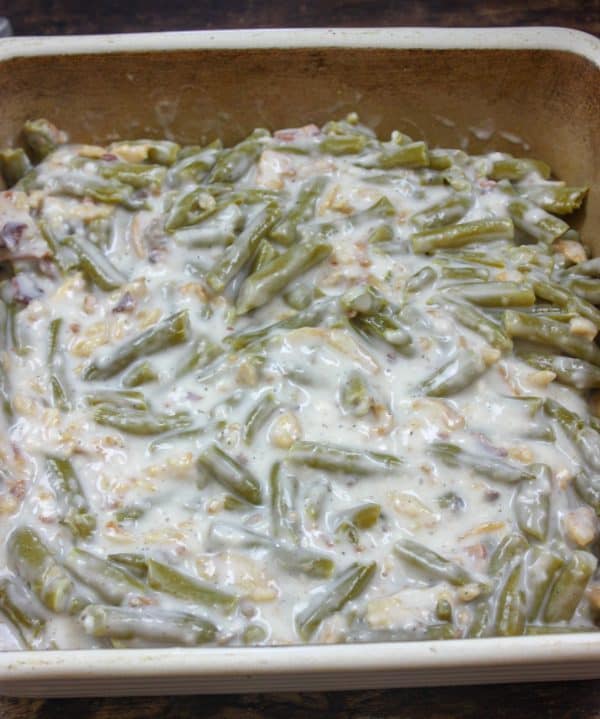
(42, 138)
(303, 210)
(421, 279)
(542, 568)
(588, 290)
(477, 321)
(351, 521)
(569, 587)
(443, 610)
(264, 284)
(567, 300)
(486, 465)
(431, 562)
(588, 268)
(496, 294)
(258, 417)
(163, 335)
(411, 154)
(139, 374)
(159, 152)
(81, 185)
(354, 395)
(568, 370)
(232, 164)
(243, 249)
(135, 564)
(163, 578)
(343, 145)
(333, 458)
(219, 466)
(149, 624)
(550, 333)
(36, 566)
(511, 547)
(137, 175)
(110, 581)
(510, 617)
(535, 222)
(558, 199)
(457, 374)
(76, 512)
(348, 585)
(516, 168)
(481, 620)
(201, 354)
(532, 504)
(14, 165)
(447, 212)
(128, 399)
(588, 488)
(265, 254)
(584, 437)
(384, 326)
(20, 608)
(94, 264)
(55, 363)
(143, 423)
(466, 233)
(380, 234)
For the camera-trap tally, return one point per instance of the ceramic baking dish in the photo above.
(533, 91)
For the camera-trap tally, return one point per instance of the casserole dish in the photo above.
(465, 88)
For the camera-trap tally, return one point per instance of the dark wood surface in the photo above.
(574, 700)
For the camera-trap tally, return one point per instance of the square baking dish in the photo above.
(528, 91)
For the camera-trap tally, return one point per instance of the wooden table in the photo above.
(575, 700)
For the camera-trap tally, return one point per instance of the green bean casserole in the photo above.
(315, 387)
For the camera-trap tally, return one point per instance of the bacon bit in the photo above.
(11, 234)
(486, 184)
(477, 551)
(109, 157)
(485, 528)
(18, 488)
(125, 304)
(25, 289)
(75, 327)
(491, 495)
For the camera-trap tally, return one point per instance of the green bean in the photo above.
(137, 175)
(431, 562)
(134, 563)
(96, 267)
(264, 284)
(584, 437)
(14, 165)
(110, 581)
(496, 294)
(299, 297)
(568, 589)
(466, 233)
(163, 578)
(476, 321)
(421, 279)
(258, 416)
(42, 138)
(139, 374)
(291, 558)
(535, 222)
(443, 610)
(303, 210)
(446, 212)
(350, 521)
(19, 607)
(48, 579)
(143, 423)
(532, 504)
(488, 466)
(254, 634)
(536, 630)
(516, 168)
(343, 145)
(588, 268)
(383, 326)
(348, 585)
(218, 465)
(243, 249)
(551, 334)
(333, 458)
(588, 488)
(201, 354)
(76, 512)
(55, 361)
(171, 331)
(364, 300)
(13, 339)
(464, 273)
(127, 399)
(283, 491)
(588, 290)
(573, 372)
(78, 184)
(264, 254)
(480, 621)
(232, 164)
(510, 618)
(380, 234)
(564, 298)
(150, 624)
(454, 376)
(558, 199)
(411, 154)
(354, 395)
(158, 152)
(195, 165)
(192, 208)
(542, 568)
(510, 547)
